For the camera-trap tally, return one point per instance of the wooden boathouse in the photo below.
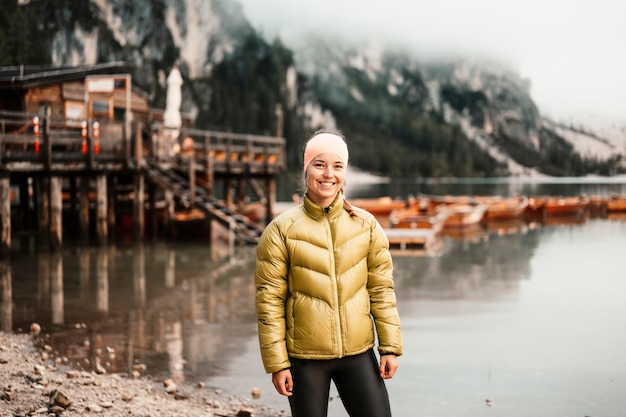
(82, 153)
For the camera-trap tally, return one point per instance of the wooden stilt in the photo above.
(74, 206)
(112, 205)
(139, 276)
(84, 271)
(228, 191)
(138, 187)
(25, 203)
(56, 214)
(170, 211)
(83, 209)
(102, 280)
(152, 190)
(43, 281)
(56, 289)
(138, 206)
(5, 216)
(43, 212)
(241, 193)
(102, 229)
(170, 269)
(6, 295)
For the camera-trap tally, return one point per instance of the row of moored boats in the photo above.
(418, 221)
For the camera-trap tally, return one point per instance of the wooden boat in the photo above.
(498, 208)
(379, 207)
(616, 204)
(552, 206)
(461, 215)
(412, 226)
(597, 205)
(404, 238)
(602, 206)
(415, 217)
(506, 209)
(433, 201)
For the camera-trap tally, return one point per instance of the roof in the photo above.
(24, 77)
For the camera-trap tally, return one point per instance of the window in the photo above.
(101, 108)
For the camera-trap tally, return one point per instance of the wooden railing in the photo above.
(30, 141)
(38, 142)
(234, 152)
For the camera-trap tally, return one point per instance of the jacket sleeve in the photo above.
(270, 278)
(382, 294)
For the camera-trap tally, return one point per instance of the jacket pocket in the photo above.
(312, 328)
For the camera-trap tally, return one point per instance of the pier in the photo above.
(98, 173)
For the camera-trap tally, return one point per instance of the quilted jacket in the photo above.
(323, 282)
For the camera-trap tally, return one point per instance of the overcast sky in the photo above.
(574, 52)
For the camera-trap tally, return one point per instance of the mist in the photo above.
(571, 51)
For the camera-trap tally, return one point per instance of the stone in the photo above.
(244, 413)
(57, 398)
(94, 408)
(35, 329)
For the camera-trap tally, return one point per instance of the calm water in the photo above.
(530, 318)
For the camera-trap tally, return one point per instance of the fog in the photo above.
(572, 51)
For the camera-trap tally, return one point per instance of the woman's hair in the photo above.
(302, 180)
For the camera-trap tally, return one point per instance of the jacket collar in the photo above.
(318, 212)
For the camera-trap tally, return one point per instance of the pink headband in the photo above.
(325, 143)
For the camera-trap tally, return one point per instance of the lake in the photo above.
(528, 321)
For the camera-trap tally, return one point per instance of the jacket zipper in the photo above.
(336, 285)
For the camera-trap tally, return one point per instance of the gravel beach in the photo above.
(35, 381)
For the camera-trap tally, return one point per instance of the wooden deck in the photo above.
(96, 161)
(411, 238)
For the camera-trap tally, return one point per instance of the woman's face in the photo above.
(325, 176)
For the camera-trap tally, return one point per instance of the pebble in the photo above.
(33, 384)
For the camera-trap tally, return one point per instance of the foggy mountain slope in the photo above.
(486, 99)
(449, 117)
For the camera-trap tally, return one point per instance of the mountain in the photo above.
(490, 104)
(401, 116)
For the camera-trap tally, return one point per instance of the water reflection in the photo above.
(172, 307)
(186, 311)
(470, 268)
(122, 308)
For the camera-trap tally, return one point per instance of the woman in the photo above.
(323, 280)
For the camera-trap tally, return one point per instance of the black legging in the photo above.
(357, 379)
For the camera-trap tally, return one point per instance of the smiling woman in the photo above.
(323, 278)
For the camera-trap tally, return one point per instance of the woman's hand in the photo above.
(388, 366)
(283, 382)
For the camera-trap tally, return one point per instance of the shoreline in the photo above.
(34, 380)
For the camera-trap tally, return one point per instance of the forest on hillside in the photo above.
(390, 135)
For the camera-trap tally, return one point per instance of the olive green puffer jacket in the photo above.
(323, 280)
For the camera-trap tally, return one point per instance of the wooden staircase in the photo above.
(245, 230)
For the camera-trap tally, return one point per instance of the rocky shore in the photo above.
(34, 381)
